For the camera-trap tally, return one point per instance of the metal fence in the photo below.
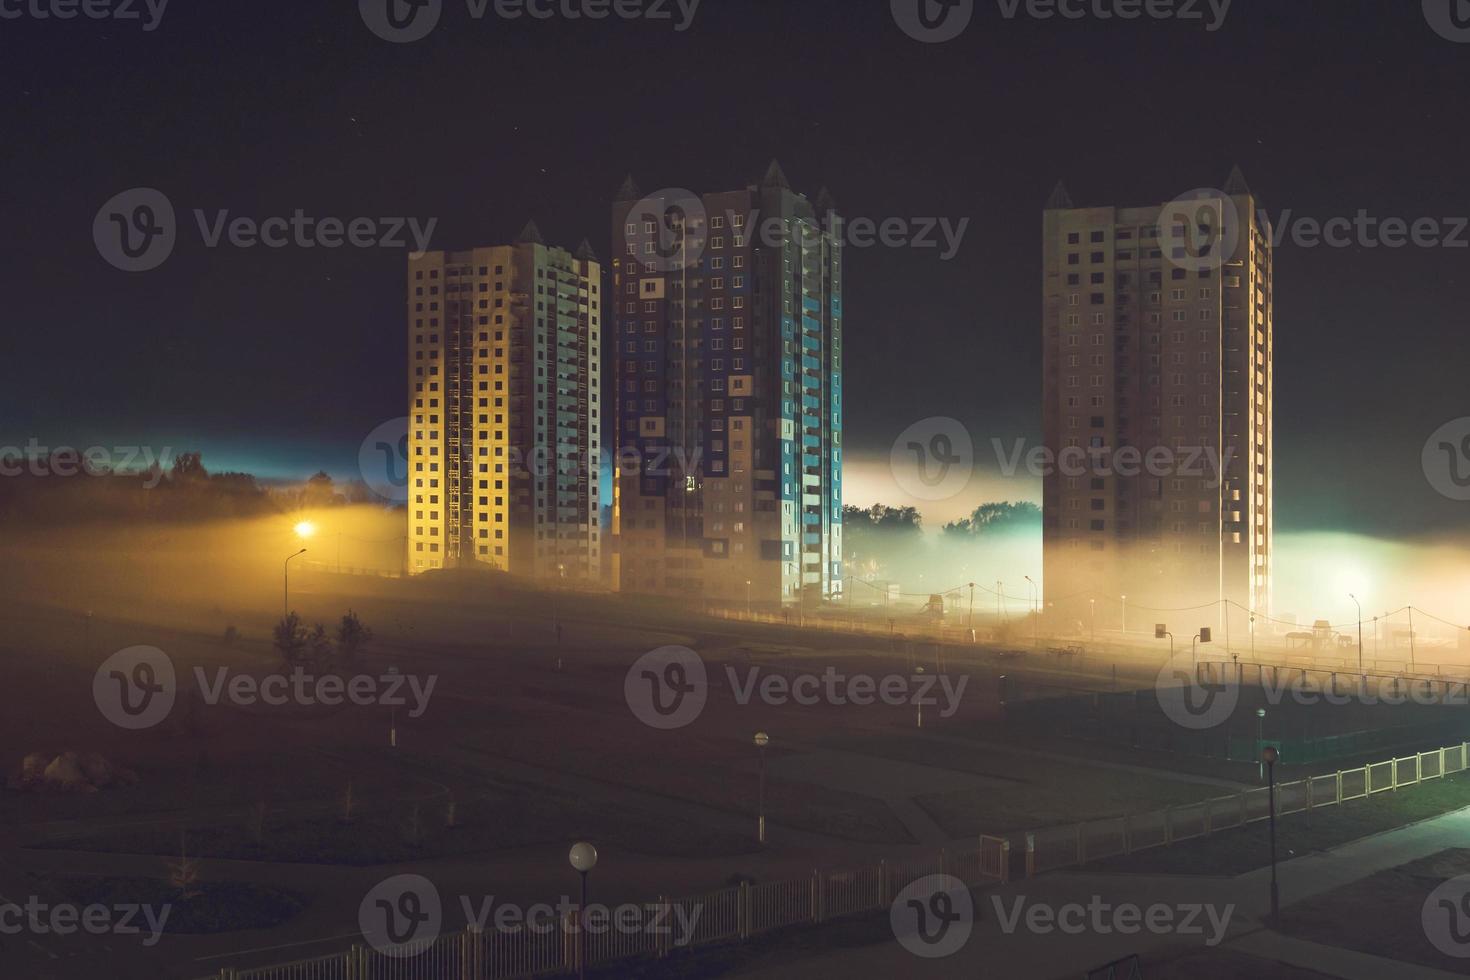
(728, 915)
(1074, 844)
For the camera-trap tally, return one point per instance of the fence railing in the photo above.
(1074, 844)
(728, 915)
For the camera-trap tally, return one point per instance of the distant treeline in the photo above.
(63, 488)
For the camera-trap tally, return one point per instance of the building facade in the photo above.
(504, 435)
(1157, 381)
(726, 311)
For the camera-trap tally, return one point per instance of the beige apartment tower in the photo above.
(504, 421)
(1157, 381)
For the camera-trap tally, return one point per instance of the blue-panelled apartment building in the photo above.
(726, 363)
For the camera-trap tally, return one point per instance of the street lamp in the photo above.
(1203, 636)
(1123, 627)
(1092, 604)
(747, 599)
(761, 741)
(305, 529)
(1260, 740)
(286, 584)
(583, 857)
(1360, 632)
(1035, 613)
(920, 701)
(1269, 755)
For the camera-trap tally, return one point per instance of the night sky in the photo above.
(281, 360)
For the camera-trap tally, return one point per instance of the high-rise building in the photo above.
(727, 328)
(504, 423)
(1157, 354)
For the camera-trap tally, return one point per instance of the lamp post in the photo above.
(1260, 742)
(971, 624)
(1092, 604)
(1123, 623)
(1269, 755)
(747, 599)
(1035, 614)
(583, 857)
(1360, 632)
(286, 584)
(919, 702)
(761, 741)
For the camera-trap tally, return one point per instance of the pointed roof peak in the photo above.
(1059, 198)
(629, 190)
(775, 176)
(585, 253)
(530, 235)
(1235, 183)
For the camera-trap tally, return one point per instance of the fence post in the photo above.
(663, 938)
(743, 912)
(1127, 834)
(1441, 762)
(942, 862)
(816, 896)
(1339, 787)
(1393, 768)
(1005, 860)
(1309, 792)
(883, 898)
(1030, 854)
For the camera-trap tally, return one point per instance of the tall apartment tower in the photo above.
(727, 318)
(504, 424)
(1157, 360)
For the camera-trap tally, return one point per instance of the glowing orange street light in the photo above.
(305, 529)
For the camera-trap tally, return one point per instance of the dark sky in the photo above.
(282, 360)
